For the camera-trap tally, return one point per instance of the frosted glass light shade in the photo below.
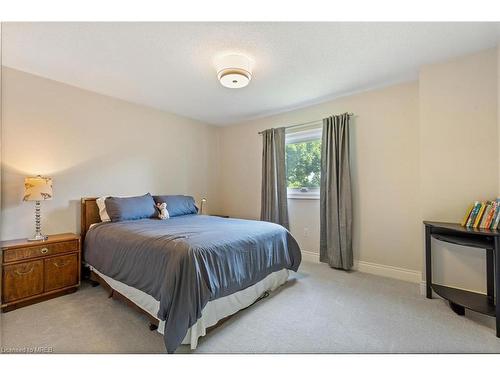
(37, 188)
(234, 71)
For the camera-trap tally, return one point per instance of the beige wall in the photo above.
(384, 174)
(93, 145)
(459, 155)
(420, 151)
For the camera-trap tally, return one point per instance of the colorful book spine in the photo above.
(491, 215)
(466, 217)
(482, 220)
(479, 215)
(492, 224)
(497, 216)
(473, 214)
(487, 216)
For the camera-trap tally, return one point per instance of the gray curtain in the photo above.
(274, 205)
(335, 194)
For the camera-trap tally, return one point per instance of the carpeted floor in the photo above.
(320, 310)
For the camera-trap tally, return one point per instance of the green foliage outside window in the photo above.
(303, 164)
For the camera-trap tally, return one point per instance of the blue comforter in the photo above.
(186, 261)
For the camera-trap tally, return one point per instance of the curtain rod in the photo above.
(307, 123)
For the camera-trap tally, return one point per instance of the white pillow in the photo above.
(102, 209)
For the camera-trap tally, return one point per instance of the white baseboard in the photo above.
(388, 271)
(309, 256)
(375, 269)
(423, 288)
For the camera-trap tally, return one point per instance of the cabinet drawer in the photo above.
(22, 280)
(61, 272)
(39, 250)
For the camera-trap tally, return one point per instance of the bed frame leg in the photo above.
(153, 327)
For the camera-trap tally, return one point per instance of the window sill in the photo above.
(303, 196)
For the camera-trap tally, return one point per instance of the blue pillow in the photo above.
(131, 208)
(178, 205)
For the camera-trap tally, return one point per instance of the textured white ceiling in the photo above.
(170, 65)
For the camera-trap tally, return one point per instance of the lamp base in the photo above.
(38, 237)
(38, 228)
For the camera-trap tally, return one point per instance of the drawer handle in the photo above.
(19, 273)
(62, 264)
(44, 250)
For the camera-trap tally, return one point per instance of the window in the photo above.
(303, 163)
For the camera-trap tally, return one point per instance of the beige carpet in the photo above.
(320, 310)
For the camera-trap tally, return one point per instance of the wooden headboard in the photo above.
(90, 215)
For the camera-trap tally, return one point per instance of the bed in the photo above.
(187, 272)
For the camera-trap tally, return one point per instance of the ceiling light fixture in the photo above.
(234, 71)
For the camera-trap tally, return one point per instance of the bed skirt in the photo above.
(213, 311)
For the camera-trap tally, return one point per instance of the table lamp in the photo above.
(37, 189)
(203, 200)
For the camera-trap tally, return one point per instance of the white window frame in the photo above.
(312, 133)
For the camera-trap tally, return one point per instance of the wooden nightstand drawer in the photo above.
(22, 280)
(22, 253)
(61, 272)
(36, 271)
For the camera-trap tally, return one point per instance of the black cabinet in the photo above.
(459, 300)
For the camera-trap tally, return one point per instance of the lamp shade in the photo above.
(37, 188)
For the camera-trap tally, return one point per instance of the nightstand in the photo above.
(36, 271)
